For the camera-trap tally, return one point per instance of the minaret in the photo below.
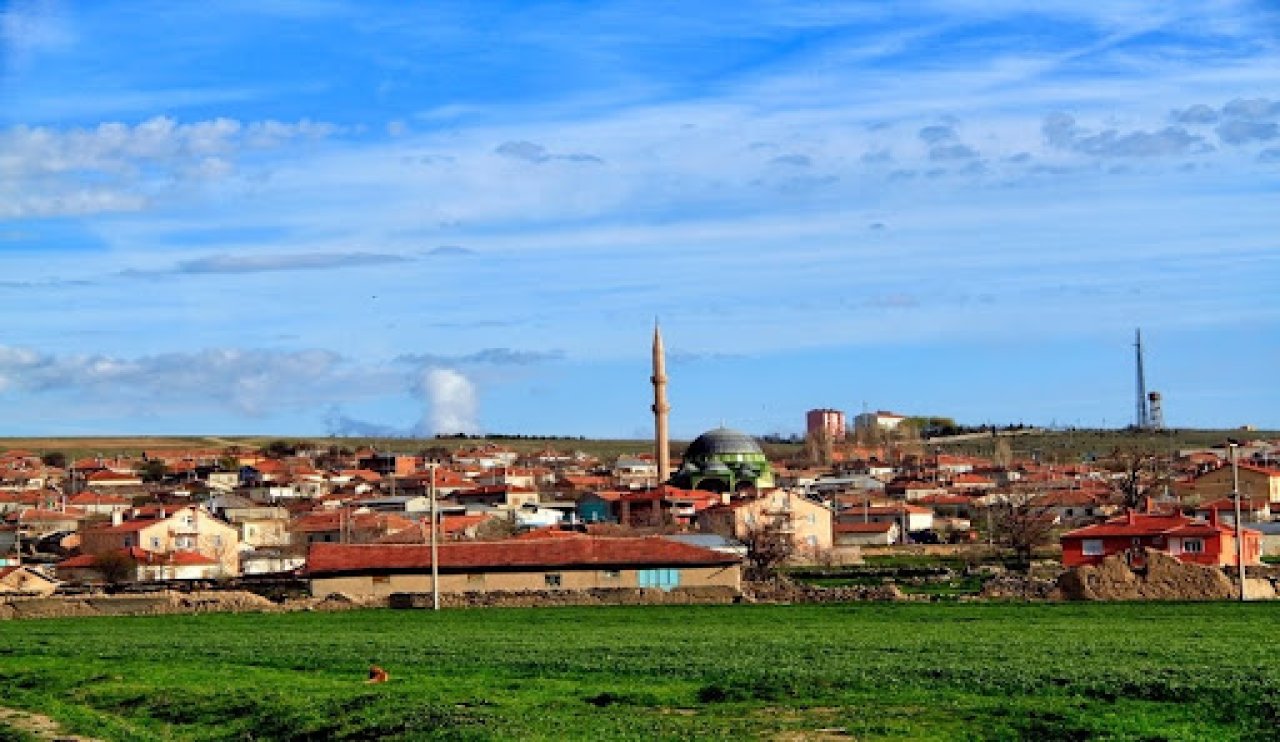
(662, 447)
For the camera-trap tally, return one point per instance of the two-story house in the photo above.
(169, 530)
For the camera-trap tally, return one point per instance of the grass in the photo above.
(1061, 446)
(875, 671)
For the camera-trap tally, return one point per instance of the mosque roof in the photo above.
(722, 441)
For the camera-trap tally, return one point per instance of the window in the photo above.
(475, 578)
(552, 579)
(663, 579)
(155, 543)
(1192, 546)
(1092, 547)
(382, 579)
(612, 574)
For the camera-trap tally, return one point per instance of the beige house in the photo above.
(164, 531)
(556, 564)
(867, 534)
(1256, 483)
(26, 580)
(807, 523)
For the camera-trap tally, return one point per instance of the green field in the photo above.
(867, 671)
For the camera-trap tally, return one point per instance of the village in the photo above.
(360, 522)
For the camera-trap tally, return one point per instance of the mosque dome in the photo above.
(722, 441)
(724, 460)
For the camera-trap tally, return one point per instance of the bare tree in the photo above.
(116, 567)
(1021, 522)
(1002, 452)
(1138, 473)
(497, 528)
(818, 447)
(769, 546)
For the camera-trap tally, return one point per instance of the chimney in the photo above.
(1148, 504)
(1213, 515)
(117, 517)
(1133, 518)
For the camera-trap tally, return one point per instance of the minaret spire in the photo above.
(662, 446)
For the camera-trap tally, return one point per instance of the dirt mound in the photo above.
(334, 602)
(1161, 578)
(229, 600)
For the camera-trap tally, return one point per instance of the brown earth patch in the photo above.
(1162, 578)
(38, 725)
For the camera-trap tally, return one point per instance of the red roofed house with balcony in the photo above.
(519, 565)
(1187, 539)
(148, 566)
(164, 530)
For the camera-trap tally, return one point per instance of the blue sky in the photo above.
(304, 218)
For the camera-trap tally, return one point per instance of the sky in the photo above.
(320, 217)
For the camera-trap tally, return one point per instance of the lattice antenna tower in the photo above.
(1142, 413)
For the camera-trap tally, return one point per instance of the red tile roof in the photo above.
(36, 515)
(90, 498)
(884, 527)
(1228, 504)
(543, 553)
(1143, 524)
(142, 556)
(106, 475)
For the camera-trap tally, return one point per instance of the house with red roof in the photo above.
(501, 496)
(163, 530)
(106, 479)
(805, 523)
(37, 522)
(100, 503)
(1256, 482)
(1224, 508)
(346, 525)
(1074, 506)
(913, 517)
(866, 534)
(145, 566)
(516, 565)
(1207, 542)
(26, 580)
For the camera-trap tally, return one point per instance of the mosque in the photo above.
(720, 460)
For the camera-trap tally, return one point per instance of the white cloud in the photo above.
(49, 171)
(29, 27)
(250, 382)
(451, 403)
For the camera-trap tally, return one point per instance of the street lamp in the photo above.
(1235, 495)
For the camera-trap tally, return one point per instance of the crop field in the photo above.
(864, 671)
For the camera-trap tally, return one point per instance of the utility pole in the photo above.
(1235, 493)
(435, 547)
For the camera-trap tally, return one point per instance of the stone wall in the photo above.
(710, 594)
(145, 604)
